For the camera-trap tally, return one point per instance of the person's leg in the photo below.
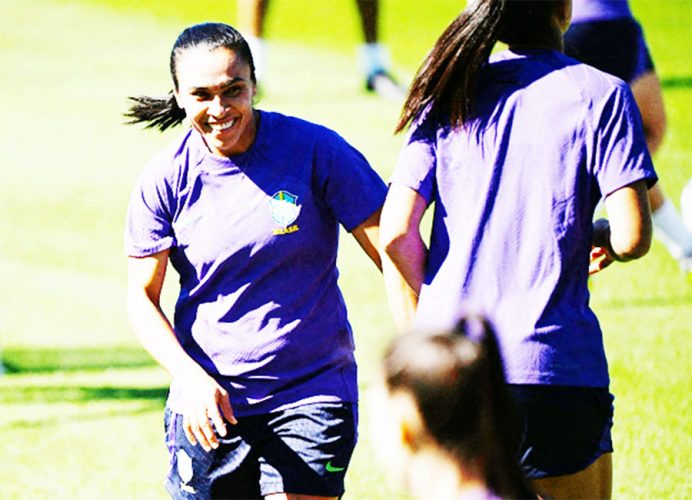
(594, 482)
(374, 55)
(649, 96)
(251, 15)
(251, 18)
(369, 11)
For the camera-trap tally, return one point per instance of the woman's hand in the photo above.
(599, 260)
(205, 407)
(601, 254)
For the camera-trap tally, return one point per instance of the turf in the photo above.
(82, 403)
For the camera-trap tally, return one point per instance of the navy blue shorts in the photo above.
(304, 450)
(566, 429)
(616, 46)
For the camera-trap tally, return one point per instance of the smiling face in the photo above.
(216, 90)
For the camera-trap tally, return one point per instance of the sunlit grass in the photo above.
(82, 403)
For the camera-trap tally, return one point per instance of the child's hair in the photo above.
(164, 112)
(445, 85)
(456, 379)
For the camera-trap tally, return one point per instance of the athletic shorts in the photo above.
(616, 46)
(303, 450)
(566, 429)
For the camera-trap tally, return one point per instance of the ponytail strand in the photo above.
(157, 112)
(445, 85)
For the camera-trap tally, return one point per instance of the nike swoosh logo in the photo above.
(331, 468)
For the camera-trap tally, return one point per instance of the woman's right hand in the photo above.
(205, 406)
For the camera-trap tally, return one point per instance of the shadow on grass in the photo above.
(85, 415)
(81, 393)
(676, 82)
(81, 397)
(47, 360)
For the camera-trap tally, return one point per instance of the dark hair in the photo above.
(164, 112)
(456, 379)
(445, 85)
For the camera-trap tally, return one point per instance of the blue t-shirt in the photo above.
(254, 239)
(514, 194)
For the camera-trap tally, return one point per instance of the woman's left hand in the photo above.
(206, 406)
(599, 259)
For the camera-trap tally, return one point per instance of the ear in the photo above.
(408, 420)
(178, 98)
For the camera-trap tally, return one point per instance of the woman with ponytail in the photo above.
(514, 150)
(446, 422)
(247, 206)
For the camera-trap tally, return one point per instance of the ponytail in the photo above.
(445, 84)
(157, 112)
(444, 88)
(500, 426)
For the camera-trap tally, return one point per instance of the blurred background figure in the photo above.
(445, 422)
(373, 55)
(604, 34)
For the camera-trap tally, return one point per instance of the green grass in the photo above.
(82, 403)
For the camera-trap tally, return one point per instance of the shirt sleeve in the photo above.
(148, 225)
(621, 153)
(348, 185)
(415, 167)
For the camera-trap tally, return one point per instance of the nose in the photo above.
(218, 106)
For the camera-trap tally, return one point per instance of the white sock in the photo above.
(258, 49)
(671, 231)
(686, 205)
(373, 57)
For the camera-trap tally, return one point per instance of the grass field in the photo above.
(81, 403)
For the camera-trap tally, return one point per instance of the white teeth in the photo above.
(217, 127)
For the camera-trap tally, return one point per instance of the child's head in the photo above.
(445, 393)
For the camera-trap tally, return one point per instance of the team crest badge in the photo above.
(284, 208)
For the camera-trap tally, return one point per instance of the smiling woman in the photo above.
(247, 206)
(216, 91)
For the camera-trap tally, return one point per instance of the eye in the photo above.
(201, 95)
(234, 91)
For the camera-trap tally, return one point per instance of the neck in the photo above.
(553, 42)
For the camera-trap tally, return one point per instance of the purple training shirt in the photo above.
(599, 10)
(514, 194)
(254, 238)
